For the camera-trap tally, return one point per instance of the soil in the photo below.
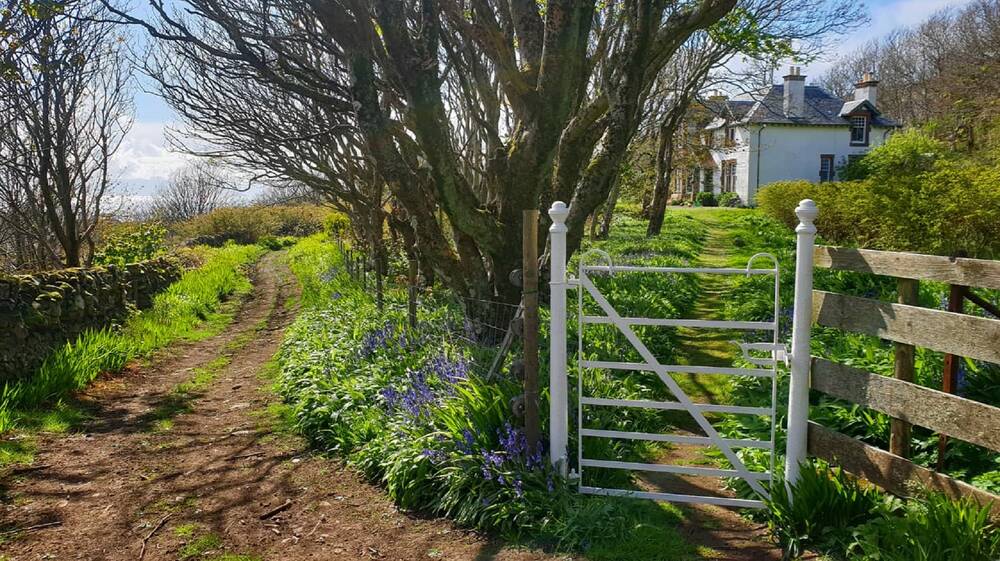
(219, 480)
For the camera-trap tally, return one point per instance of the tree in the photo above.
(941, 72)
(480, 108)
(68, 106)
(196, 189)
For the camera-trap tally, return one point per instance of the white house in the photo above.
(791, 131)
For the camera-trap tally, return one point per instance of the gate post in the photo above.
(558, 397)
(798, 391)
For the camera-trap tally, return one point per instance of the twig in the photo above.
(30, 528)
(276, 510)
(22, 471)
(241, 456)
(145, 540)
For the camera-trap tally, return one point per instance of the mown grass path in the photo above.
(719, 533)
(188, 459)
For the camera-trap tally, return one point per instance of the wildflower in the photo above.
(518, 488)
(550, 484)
(435, 456)
(465, 445)
(512, 440)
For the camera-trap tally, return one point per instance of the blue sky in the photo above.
(144, 162)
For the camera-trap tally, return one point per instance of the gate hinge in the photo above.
(779, 353)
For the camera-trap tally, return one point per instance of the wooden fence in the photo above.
(908, 326)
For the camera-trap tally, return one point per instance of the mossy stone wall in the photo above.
(42, 311)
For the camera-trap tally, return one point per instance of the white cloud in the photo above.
(144, 155)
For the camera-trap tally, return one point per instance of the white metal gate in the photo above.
(762, 366)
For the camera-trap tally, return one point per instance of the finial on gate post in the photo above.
(558, 396)
(807, 213)
(558, 213)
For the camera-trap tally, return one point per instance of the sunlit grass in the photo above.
(191, 308)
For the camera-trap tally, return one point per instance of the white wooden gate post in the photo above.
(798, 392)
(558, 415)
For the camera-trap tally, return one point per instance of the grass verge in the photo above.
(192, 308)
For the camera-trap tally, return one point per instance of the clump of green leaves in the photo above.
(130, 242)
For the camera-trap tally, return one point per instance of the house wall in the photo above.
(790, 152)
(740, 151)
(784, 153)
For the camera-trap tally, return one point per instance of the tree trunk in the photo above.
(661, 190)
(609, 208)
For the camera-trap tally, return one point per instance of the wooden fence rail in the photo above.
(907, 326)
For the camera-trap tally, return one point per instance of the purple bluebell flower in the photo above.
(435, 456)
(550, 484)
(466, 443)
(518, 487)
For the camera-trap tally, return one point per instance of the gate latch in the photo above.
(779, 353)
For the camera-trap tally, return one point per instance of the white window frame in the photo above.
(859, 122)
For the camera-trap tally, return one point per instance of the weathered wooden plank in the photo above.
(961, 418)
(947, 332)
(980, 273)
(892, 473)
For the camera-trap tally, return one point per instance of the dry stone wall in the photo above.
(40, 312)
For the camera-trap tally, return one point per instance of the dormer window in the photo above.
(859, 130)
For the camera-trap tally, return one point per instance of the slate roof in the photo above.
(821, 109)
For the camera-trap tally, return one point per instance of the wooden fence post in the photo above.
(949, 382)
(903, 366)
(529, 299)
(412, 293)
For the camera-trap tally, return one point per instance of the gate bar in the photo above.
(673, 497)
(680, 470)
(677, 406)
(705, 270)
(678, 368)
(674, 438)
(702, 323)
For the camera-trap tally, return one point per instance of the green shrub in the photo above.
(129, 242)
(916, 195)
(248, 225)
(705, 198)
(827, 506)
(729, 199)
(932, 529)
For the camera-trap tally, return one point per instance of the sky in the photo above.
(145, 162)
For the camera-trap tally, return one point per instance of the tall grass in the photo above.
(176, 313)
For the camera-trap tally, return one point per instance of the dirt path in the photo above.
(722, 532)
(183, 460)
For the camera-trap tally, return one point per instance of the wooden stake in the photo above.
(899, 439)
(412, 296)
(949, 382)
(529, 298)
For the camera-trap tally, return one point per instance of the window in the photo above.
(826, 172)
(859, 130)
(730, 137)
(728, 176)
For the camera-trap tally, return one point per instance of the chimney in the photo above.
(866, 89)
(795, 92)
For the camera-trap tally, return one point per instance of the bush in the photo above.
(705, 198)
(827, 506)
(931, 529)
(915, 196)
(248, 225)
(730, 199)
(130, 242)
